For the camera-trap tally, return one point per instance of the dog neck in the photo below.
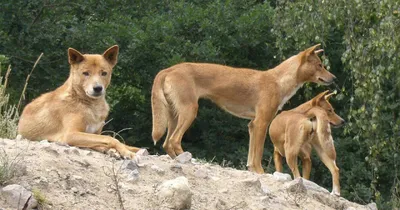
(286, 77)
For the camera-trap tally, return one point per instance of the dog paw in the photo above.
(335, 193)
(113, 153)
(128, 155)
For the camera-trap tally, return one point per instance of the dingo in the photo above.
(245, 93)
(74, 113)
(295, 132)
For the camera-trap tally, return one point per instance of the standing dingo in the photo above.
(74, 113)
(245, 93)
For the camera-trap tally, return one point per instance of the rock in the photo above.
(296, 186)
(72, 150)
(252, 182)
(309, 185)
(176, 168)
(142, 152)
(48, 148)
(372, 206)
(19, 137)
(133, 176)
(159, 170)
(175, 194)
(185, 157)
(265, 189)
(16, 196)
(74, 190)
(201, 173)
(129, 165)
(282, 176)
(224, 190)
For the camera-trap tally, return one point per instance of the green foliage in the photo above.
(361, 42)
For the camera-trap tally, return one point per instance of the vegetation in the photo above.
(360, 38)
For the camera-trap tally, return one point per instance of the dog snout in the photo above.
(342, 122)
(98, 89)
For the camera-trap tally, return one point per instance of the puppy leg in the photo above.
(278, 160)
(305, 154)
(328, 159)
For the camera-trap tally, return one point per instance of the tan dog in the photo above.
(245, 93)
(294, 133)
(75, 112)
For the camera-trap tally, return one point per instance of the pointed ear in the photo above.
(319, 97)
(310, 51)
(329, 95)
(74, 56)
(111, 55)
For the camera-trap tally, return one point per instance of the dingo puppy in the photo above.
(245, 93)
(74, 113)
(295, 132)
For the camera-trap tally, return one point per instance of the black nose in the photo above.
(97, 89)
(343, 122)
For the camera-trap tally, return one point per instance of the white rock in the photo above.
(19, 137)
(133, 176)
(175, 194)
(142, 152)
(309, 185)
(201, 173)
(372, 206)
(129, 165)
(16, 196)
(185, 157)
(158, 169)
(282, 176)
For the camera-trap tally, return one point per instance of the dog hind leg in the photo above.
(278, 160)
(172, 121)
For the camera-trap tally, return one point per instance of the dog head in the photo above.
(311, 68)
(92, 72)
(322, 101)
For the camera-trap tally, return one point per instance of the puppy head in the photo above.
(322, 101)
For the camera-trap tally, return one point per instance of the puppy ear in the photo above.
(310, 51)
(329, 95)
(111, 55)
(319, 97)
(74, 56)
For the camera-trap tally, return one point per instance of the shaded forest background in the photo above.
(361, 41)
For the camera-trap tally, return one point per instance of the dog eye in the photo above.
(104, 73)
(86, 73)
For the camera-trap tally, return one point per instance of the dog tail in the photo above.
(325, 137)
(159, 106)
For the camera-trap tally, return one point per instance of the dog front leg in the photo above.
(258, 132)
(94, 141)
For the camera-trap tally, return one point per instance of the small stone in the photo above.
(110, 190)
(176, 168)
(16, 196)
(19, 137)
(44, 142)
(159, 170)
(72, 150)
(185, 157)
(224, 190)
(142, 152)
(372, 206)
(201, 173)
(214, 178)
(175, 194)
(129, 165)
(282, 176)
(164, 157)
(74, 190)
(133, 176)
(265, 189)
(48, 148)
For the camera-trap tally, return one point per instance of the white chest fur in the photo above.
(288, 96)
(93, 128)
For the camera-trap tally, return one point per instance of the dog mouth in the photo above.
(94, 94)
(324, 82)
(336, 125)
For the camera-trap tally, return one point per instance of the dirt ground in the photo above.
(72, 178)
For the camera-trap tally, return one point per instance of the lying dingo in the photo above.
(75, 112)
(245, 93)
(294, 133)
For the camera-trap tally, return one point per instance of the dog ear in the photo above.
(111, 55)
(74, 56)
(329, 95)
(319, 97)
(310, 51)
